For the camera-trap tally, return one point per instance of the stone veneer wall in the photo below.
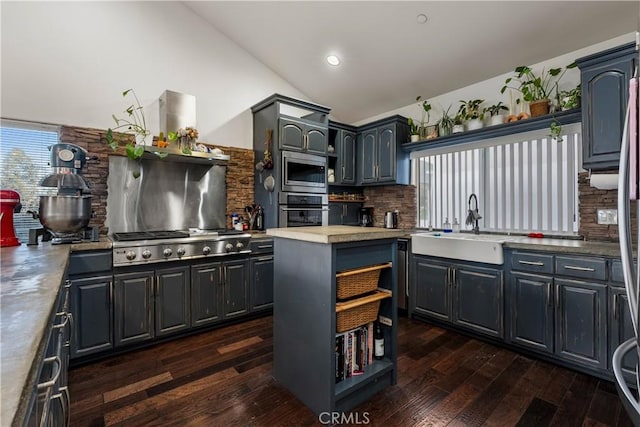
(239, 172)
(590, 199)
(392, 197)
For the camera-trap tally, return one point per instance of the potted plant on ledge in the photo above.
(425, 108)
(446, 122)
(496, 117)
(536, 90)
(470, 110)
(413, 130)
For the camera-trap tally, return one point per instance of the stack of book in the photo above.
(354, 351)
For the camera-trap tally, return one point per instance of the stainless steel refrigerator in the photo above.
(628, 191)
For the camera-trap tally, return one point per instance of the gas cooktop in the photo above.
(140, 247)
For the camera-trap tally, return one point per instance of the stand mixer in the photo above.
(68, 213)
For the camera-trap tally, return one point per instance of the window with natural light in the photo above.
(521, 186)
(24, 159)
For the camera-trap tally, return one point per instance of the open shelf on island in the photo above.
(351, 384)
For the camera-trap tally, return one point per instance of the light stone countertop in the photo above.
(336, 233)
(30, 280)
(566, 246)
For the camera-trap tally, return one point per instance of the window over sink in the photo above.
(522, 185)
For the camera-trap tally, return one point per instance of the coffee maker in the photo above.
(365, 218)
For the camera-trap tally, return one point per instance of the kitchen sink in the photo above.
(486, 248)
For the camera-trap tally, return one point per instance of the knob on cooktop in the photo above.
(181, 251)
(167, 252)
(206, 250)
(146, 254)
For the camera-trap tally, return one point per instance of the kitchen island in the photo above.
(308, 318)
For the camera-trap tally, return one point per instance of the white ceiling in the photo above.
(388, 58)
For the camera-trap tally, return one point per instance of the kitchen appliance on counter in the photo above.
(303, 209)
(66, 214)
(391, 219)
(365, 217)
(9, 204)
(141, 247)
(628, 352)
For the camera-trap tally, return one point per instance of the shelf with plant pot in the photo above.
(513, 128)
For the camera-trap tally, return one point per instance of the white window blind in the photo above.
(24, 159)
(522, 186)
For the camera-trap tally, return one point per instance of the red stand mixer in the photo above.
(9, 203)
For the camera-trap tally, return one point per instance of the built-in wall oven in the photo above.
(304, 173)
(303, 209)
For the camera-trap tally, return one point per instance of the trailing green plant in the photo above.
(495, 109)
(132, 127)
(556, 130)
(425, 107)
(569, 99)
(535, 87)
(470, 110)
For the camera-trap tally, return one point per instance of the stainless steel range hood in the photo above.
(177, 110)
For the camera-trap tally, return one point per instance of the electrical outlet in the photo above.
(607, 216)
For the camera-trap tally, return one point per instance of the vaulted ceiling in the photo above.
(388, 57)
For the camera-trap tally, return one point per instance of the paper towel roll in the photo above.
(604, 181)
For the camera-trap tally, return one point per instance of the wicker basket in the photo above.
(358, 312)
(351, 283)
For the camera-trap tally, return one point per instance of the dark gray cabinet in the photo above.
(605, 92)
(621, 328)
(430, 287)
(235, 284)
(261, 292)
(303, 136)
(469, 296)
(206, 294)
(346, 213)
(173, 300)
(531, 311)
(91, 307)
(581, 325)
(346, 163)
(478, 299)
(380, 158)
(133, 307)
(563, 311)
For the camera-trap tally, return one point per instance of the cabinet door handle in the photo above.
(343, 173)
(54, 379)
(537, 263)
(266, 258)
(64, 322)
(615, 306)
(558, 296)
(453, 275)
(573, 267)
(265, 246)
(549, 295)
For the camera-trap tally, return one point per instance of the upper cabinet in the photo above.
(605, 93)
(303, 136)
(380, 158)
(342, 154)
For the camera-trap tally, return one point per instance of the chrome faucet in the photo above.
(473, 215)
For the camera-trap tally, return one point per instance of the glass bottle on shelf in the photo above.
(378, 343)
(446, 225)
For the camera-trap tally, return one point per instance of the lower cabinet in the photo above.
(235, 295)
(531, 310)
(173, 300)
(261, 291)
(92, 310)
(581, 322)
(463, 294)
(621, 328)
(133, 307)
(206, 294)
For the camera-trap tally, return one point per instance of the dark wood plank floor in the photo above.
(223, 378)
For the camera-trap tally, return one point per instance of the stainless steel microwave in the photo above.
(304, 173)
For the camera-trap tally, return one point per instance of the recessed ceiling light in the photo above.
(422, 18)
(333, 60)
